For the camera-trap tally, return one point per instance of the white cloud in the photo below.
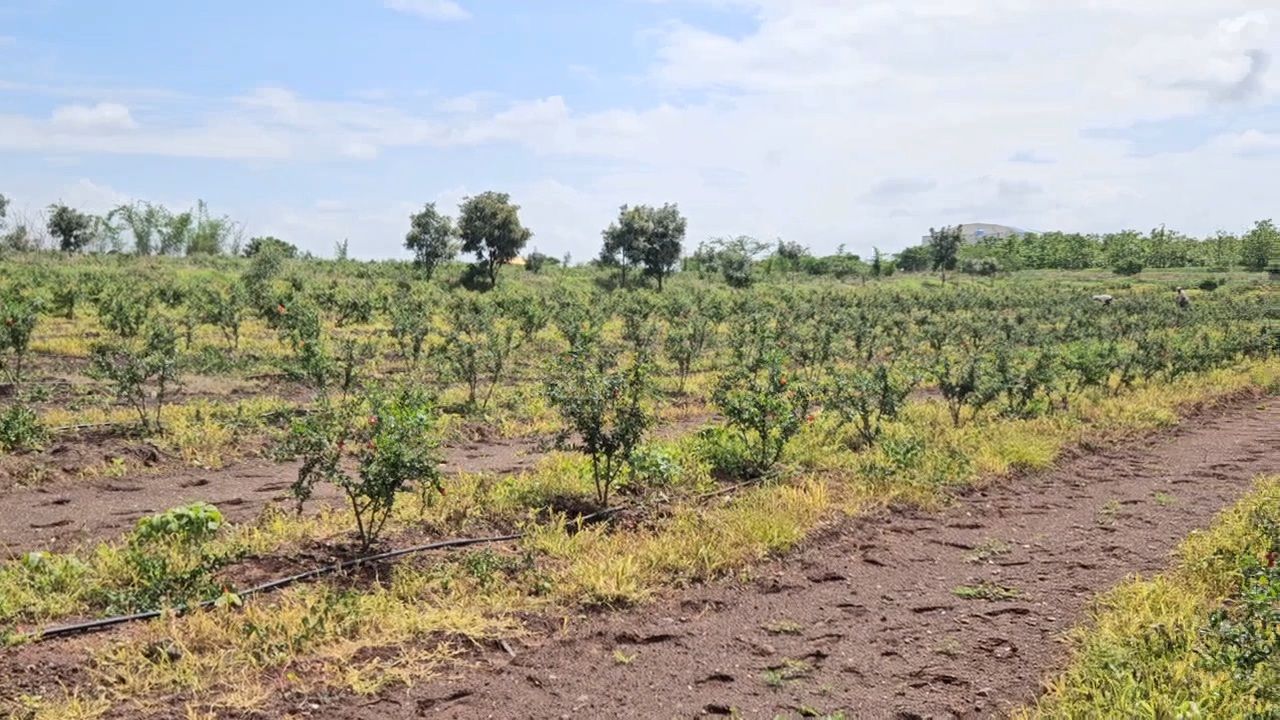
(89, 196)
(829, 123)
(360, 151)
(1250, 143)
(100, 116)
(429, 9)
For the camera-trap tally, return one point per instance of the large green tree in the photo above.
(73, 229)
(646, 237)
(430, 237)
(489, 225)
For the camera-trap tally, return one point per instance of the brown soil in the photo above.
(64, 513)
(67, 510)
(867, 613)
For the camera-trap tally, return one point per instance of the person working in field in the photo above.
(1183, 301)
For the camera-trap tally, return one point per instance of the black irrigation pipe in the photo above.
(103, 623)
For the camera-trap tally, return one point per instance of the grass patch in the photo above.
(1198, 641)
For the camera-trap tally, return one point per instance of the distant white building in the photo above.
(972, 232)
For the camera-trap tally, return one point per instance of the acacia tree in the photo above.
(645, 236)
(944, 248)
(430, 237)
(489, 225)
(74, 229)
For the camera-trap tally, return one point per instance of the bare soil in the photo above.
(67, 510)
(866, 619)
(61, 514)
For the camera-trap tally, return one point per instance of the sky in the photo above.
(825, 122)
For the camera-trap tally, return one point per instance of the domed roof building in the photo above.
(973, 232)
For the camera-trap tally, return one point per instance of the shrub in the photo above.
(140, 373)
(392, 440)
(20, 428)
(764, 407)
(17, 323)
(1131, 266)
(604, 404)
(866, 398)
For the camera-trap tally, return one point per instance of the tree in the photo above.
(210, 235)
(791, 253)
(624, 240)
(430, 237)
(175, 232)
(733, 258)
(944, 247)
(645, 236)
(981, 266)
(106, 234)
(666, 241)
(72, 228)
(535, 262)
(489, 226)
(877, 262)
(261, 244)
(144, 222)
(914, 259)
(4, 211)
(1260, 246)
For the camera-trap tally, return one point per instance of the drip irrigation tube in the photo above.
(103, 623)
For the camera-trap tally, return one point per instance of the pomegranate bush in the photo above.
(371, 450)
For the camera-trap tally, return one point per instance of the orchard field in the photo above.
(787, 461)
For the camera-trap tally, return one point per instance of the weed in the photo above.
(776, 677)
(985, 591)
(784, 627)
(1107, 515)
(988, 549)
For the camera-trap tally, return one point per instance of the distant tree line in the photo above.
(1127, 252)
(644, 244)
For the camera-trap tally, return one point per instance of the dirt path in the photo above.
(58, 515)
(867, 613)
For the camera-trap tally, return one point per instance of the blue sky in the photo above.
(817, 122)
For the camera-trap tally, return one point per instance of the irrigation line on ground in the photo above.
(103, 623)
